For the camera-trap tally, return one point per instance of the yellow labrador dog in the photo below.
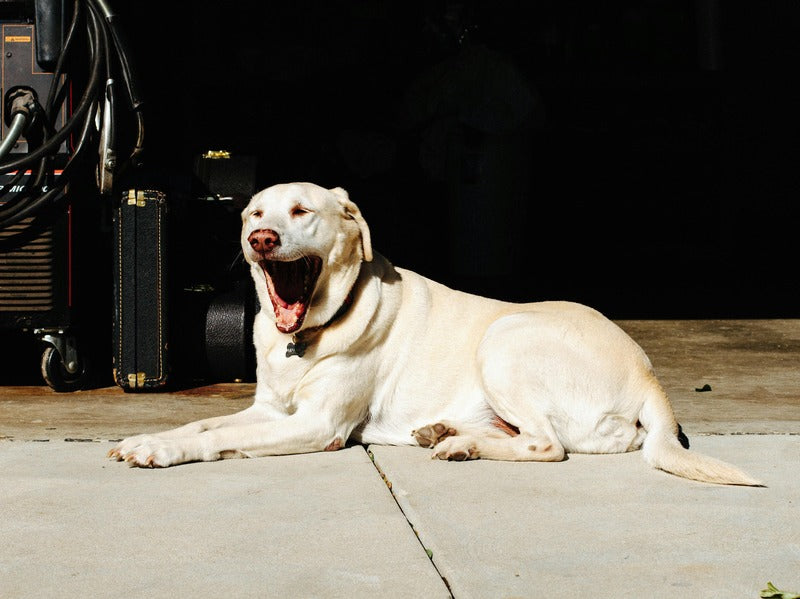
(350, 347)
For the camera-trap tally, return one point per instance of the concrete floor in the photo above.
(390, 522)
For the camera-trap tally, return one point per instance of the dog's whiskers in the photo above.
(237, 259)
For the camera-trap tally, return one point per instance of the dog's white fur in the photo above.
(411, 361)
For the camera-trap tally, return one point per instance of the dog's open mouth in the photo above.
(290, 285)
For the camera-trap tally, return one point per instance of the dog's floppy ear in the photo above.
(354, 213)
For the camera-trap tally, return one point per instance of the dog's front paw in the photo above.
(149, 451)
(456, 448)
(126, 446)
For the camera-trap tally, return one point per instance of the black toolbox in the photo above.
(140, 332)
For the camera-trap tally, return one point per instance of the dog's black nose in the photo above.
(264, 240)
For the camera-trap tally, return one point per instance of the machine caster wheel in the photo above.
(56, 374)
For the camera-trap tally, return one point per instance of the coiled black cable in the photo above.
(106, 55)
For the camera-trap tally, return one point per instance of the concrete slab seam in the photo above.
(406, 509)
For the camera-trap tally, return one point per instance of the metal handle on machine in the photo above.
(107, 158)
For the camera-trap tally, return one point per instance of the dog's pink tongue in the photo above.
(288, 318)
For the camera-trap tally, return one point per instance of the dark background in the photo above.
(639, 156)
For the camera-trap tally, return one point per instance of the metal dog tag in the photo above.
(296, 349)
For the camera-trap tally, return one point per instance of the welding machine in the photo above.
(62, 69)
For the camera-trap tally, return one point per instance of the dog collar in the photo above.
(300, 341)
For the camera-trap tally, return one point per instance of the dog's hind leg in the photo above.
(430, 435)
(522, 448)
(451, 442)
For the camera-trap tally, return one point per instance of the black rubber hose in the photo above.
(68, 40)
(24, 204)
(20, 210)
(128, 76)
(104, 44)
(122, 53)
(87, 101)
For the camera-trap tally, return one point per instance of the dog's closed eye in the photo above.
(299, 211)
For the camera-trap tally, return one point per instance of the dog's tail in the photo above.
(662, 449)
